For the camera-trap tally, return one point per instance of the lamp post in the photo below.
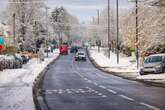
(47, 31)
(109, 44)
(98, 22)
(14, 40)
(117, 29)
(137, 32)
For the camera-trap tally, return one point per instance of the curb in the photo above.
(37, 84)
(151, 83)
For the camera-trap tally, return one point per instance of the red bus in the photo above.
(63, 49)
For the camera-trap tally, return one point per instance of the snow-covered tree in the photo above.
(151, 27)
(28, 15)
(64, 24)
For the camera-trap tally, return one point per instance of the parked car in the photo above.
(2, 62)
(80, 55)
(10, 60)
(25, 59)
(63, 49)
(19, 61)
(153, 64)
(13, 61)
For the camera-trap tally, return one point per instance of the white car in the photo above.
(153, 64)
(80, 55)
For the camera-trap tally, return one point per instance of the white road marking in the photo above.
(95, 83)
(112, 91)
(85, 79)
(149, 106)
(104, 96)
(103, 87)
(100, 94)
(127, 98)
(89, 81)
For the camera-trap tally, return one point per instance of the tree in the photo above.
(63, 23)
(27, 13)
(151, 26)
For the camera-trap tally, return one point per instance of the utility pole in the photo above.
(98, 22)
(137, 39)
(47, 32)
(109, 44)
(117, 29)
(14, 34)
(35, 34)
(98, 17)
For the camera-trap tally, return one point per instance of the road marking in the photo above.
(127, 98)
(89, 81)
(104, 96)
(103, 87)
(100, 94)
(95, 83)
(112, 91)
(149, 106)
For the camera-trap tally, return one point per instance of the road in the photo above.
(71, 85)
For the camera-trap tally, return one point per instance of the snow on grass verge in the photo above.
(16, 84)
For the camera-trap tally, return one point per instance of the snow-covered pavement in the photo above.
(126, 68)
(16, 84)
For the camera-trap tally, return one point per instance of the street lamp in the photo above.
(14, 34)
(47, 36)
(109, 44)
(117, 29)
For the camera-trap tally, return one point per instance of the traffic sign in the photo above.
(2, 41)
(1, 47)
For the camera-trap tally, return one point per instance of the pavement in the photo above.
(16, 84)
(70, 85)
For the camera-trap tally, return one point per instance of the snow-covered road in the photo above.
(16, 84)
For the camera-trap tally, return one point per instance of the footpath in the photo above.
(16, 84)
(125, 69)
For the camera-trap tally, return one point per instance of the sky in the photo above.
(83, 9)
(86, 9)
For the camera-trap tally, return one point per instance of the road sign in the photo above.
(2, 41)
(1, 47)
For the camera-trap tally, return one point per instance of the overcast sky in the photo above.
(83, 9)
(86, 9)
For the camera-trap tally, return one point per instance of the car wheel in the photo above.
(142, 73)
(163, 70)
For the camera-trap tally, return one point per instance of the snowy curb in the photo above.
(120, 74)
(37, 85)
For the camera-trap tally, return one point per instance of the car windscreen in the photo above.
(153, 59)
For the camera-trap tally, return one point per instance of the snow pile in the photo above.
(16, 84)
(152, 77)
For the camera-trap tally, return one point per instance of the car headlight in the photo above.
(158, 66)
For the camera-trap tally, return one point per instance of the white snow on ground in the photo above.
(16, 84)
(126, 64)
(126, 67)
(152, 77)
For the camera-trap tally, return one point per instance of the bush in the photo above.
(10, 49)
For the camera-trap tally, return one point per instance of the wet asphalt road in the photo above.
(71, 85)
